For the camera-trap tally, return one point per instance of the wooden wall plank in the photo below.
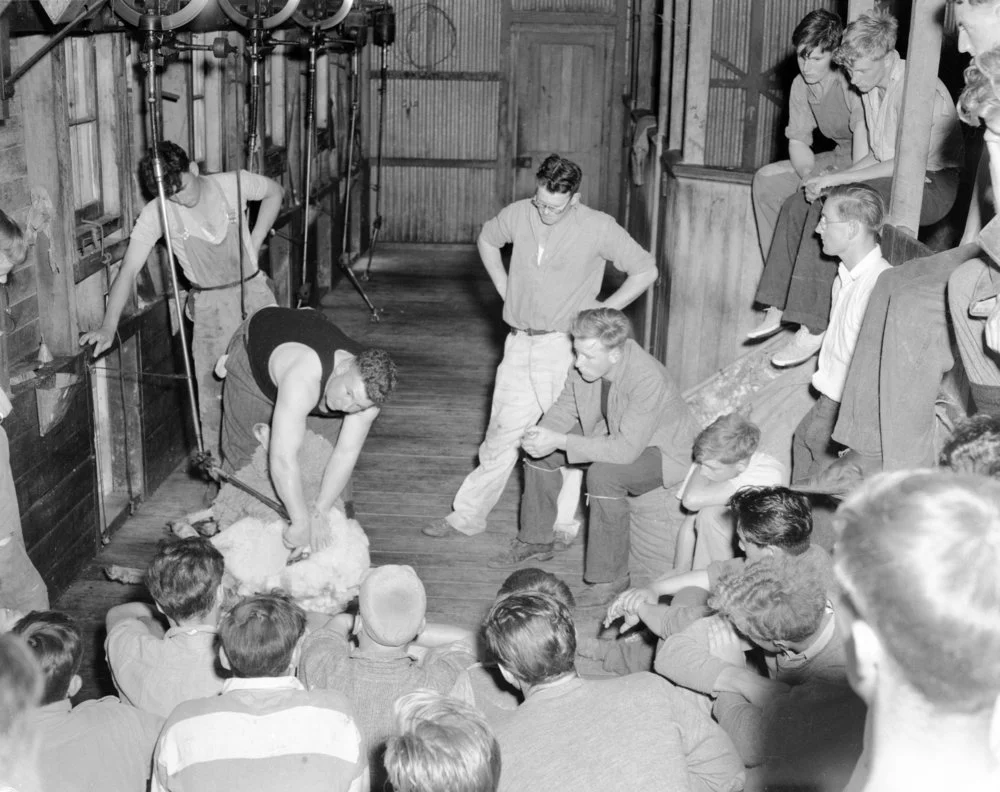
(698, 72)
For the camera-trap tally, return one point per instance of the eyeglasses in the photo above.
(823, 222)
(551, 210)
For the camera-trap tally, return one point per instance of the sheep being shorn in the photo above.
(327, 581)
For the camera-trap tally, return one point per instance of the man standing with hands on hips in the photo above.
(560, 248)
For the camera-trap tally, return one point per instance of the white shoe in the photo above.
(770, 324)
(802, 347)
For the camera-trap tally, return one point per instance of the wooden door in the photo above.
(561, 89)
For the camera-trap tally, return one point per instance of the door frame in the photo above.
(615, 145)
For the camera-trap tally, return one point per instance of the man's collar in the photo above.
(871, 259)
(261, 683)
(190, 629)
(558, 687)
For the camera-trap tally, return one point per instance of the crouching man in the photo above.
(620, 415)
(295, 370)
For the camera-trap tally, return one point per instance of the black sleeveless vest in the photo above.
(272, 326)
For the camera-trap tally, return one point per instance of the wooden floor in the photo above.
(441, 323)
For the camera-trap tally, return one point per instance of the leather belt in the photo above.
(530, 332)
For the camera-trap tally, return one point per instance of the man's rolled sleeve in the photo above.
(498, 231)
(801, 121)
(617, 246)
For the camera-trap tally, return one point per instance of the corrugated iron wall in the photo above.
(749, 84)
(578, 6)
(441, 120)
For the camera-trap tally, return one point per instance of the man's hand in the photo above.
(626, 606)
(991, 335)
(100, 338)
(815, 187)
(724, 643)
(539, 442)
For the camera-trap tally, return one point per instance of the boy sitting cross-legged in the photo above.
(726, 459)
(99, 745)
(265, 731)
(156, 670)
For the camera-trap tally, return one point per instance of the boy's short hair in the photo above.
(21, 682)
(531, 635)
(260, 634)
(774, 599)
(917, 558)
(392, 603)
(184, 576)
(818, 30)
(535, 579)
(608, 325)
(444, 745)
(54, 639)
(974, 446)
(559, 175)
(871, 35)
(175, 164)
(861, 203)
(729, 438)
(378, 372)
(773, 517)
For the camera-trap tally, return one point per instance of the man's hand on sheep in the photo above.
(314, 535)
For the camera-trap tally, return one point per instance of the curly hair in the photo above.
(981, 94)
(378, 372)
(175, 163)
(559, 175)
(774, 599)
(974, 446)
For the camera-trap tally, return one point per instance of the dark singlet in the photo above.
(270, 327)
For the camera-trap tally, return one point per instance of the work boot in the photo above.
(441, 529)
(802, 347)
(769, 325)
(519, 552)
(600, 595)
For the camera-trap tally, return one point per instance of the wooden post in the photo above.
(916, 114)
(678, 71)
(46, 148)
(698, 71)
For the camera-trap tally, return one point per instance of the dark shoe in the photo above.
(519, 552)
(441, 529)
(599, 595)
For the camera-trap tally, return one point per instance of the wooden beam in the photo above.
(678, 70)
(698, 73)
(916, 114)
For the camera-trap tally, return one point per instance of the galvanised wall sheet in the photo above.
(446, 35)
(422, 204)
(443, 119)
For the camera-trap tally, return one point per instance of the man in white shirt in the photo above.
(849, 227)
